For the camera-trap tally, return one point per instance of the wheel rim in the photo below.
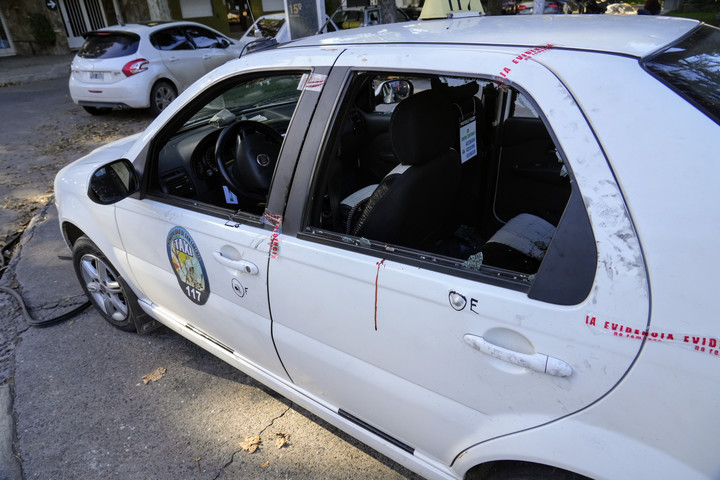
(163, 96)
(104, 288)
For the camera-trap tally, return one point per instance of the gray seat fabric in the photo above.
(520, 244)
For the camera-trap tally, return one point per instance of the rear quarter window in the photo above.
(692, 68)
(109, 45)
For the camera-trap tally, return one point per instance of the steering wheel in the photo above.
(246, 153)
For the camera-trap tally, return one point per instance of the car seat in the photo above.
(412, 206)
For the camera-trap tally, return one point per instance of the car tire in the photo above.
(529, 471)
(105, 288)
(161, 95)
(97, 110)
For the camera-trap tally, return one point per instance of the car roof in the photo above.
(635, 36)
(272, 16)
(146, 27)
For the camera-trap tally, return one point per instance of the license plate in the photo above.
(97, 76)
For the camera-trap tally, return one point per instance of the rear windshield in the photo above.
(692, 68)
(109, 45)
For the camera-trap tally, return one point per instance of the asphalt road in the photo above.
(79, 407)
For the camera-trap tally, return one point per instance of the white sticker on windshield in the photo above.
(468, 139)
(313, 82)
(230, 197)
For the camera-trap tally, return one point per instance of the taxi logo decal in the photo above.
(188, 265)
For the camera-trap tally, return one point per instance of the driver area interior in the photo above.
(225, 154)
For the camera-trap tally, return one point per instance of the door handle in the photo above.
(239, 265)
(537, 362)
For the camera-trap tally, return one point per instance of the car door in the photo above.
(424, 349)
(212, 47)
(197, 245)
(179, 56)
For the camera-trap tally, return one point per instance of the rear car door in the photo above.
(435, 349)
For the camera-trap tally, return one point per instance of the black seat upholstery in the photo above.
(412, 204)
(468, 110)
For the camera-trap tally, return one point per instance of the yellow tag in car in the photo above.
(448, 8)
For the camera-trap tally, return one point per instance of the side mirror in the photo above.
(223, 42)
(393, 91)
(113, 182)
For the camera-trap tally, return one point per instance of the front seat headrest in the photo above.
(420, 129)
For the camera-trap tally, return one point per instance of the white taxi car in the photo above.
(458, 240)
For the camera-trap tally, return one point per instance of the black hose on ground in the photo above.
(28, 318)
(47, 322)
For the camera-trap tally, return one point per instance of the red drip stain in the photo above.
(379, 264)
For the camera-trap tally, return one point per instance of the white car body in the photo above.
(101, 82)
(446, 370)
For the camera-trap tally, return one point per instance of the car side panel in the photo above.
(668, 173)
(419, 340)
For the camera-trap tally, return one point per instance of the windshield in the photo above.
(109, 45)
(692, 67)
(267, 27)
(246, 98)
(346, 19)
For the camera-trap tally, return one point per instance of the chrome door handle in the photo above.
(537, 362)
(239, 265)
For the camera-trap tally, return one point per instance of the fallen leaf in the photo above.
(266, 464)
(154, 376)
(281, 439)
(251, 444)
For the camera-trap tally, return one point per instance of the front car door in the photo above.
(436, 348)
(178, 55)
(197, 237)
(214, 48)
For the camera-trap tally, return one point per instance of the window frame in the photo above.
(549, 284)
(149, 179)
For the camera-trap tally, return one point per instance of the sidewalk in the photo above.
(15, 70)
(18, 70)
(41, 259)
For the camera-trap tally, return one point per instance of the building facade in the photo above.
(56, 27)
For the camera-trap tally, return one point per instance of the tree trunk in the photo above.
(494, 7)
(387, 9)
